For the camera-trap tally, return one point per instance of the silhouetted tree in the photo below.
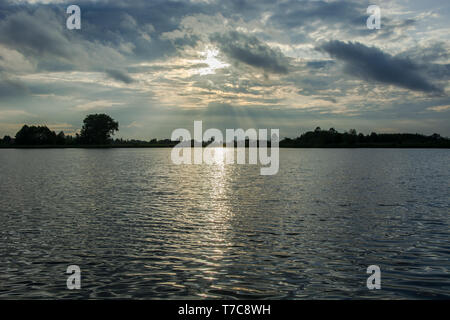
(361, 138)
(35, 135)
(60, 138)
(6, 140)
(97, 129)
(436, 136)
(69, 140)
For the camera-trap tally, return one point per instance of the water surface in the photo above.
(140, 227)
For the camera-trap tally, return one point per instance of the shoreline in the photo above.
(171, 146)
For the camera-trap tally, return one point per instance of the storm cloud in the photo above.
(370, 63)
(251, 51)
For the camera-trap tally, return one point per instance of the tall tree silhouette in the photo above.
(98, 128)
(35, 135)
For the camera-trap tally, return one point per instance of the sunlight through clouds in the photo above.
(289, 63)
(210, 58)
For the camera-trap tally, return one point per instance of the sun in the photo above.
(210, 59)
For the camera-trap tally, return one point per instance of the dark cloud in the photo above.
(319, 64)
(11, 88)
(41, 36)
(432, 59)
(251, 51)
(438, 71)
(120, 76)
(370, 63)
(292, 14)
(109, 31)
(139, 23)
(28, 34)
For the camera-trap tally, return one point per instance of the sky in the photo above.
(292, 65)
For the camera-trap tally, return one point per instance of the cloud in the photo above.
(120, 76)
(96, 105)
(291, 14)
(370, 63)
(8, 114)
(66, 127)
(28, 34)
(251, 51)
(39, 35)
(319, 64)
(11, 88)
(13, 61)
(134, 124)
(439, 108)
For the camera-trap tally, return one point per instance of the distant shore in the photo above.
(128, 146)
(98, 129)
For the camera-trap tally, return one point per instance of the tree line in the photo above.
(98, 129)
(351, 139)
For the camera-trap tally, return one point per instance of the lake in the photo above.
(139, 226)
